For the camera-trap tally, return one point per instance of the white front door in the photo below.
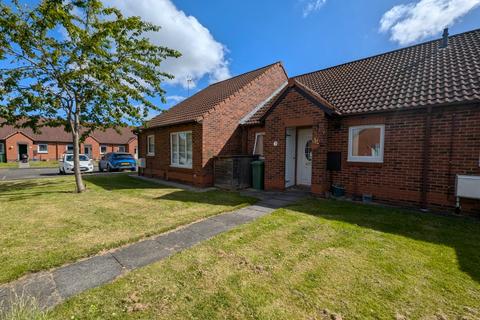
(304, 157)
(290, 140)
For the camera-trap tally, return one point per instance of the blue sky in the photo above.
(257, 33)
(220, 39)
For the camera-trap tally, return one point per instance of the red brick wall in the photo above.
(250, 136)
(221, 133)
(56, 149)
(454, 149)
(294, 111)
(11, 146)
(218, 134)
(132, 147)
(159, 165)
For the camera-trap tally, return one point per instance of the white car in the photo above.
(65, 165)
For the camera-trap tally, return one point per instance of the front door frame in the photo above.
(89, 147)
(293, 170)
(295, 162)
(19, 158)
(297, 156)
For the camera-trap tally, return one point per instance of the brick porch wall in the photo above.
(11, 146)
(294, 111)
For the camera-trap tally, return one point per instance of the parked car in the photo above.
(117, 161)
(65, 165)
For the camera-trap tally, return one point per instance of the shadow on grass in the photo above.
(223, 198)
(27, 189)
(460, 233)
(119, 181)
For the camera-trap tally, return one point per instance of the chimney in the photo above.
(444, 41)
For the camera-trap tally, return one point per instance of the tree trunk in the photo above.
(76, 160)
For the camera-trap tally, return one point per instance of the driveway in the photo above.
(32, 173)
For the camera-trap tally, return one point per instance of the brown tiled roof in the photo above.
(197, 105)
(49, 134)
(110, 136)
(411, 77)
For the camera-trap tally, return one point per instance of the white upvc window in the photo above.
(42, 148)
(2, 148)
(259, 142)
(103, 149)
(365, 143)
(121, 148)
(151, 145)
(69, 148)
(181, 149)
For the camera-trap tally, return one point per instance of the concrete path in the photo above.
(50, 288)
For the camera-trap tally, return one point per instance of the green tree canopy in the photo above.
(77, 64)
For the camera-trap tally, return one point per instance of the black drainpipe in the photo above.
(426, 158)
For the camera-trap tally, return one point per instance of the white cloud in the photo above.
(312, 6)
(202, 55)
(415, 21)
(175, 99)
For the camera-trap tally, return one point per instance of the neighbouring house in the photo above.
(397, 127)
(51, 143)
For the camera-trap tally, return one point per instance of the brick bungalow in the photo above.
(180, 144)
(51, 143)
(398, 126)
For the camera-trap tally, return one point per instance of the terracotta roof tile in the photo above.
(49, 134)
(199, 104)
(416, 76)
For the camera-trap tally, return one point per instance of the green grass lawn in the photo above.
(45, 224)
(33, 164)
(309, 261)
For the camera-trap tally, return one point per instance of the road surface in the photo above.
(32, 173)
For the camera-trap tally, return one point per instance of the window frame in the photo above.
(38, 148)
(2, 148)
(106, 149)
(257, 134)
(66, 147)
(150, 153)
(366, 159)
(124, 149)
(188, 165)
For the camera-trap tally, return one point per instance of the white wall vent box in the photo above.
(468, 187)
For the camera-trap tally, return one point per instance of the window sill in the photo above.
(379, 161)
(180, 167)
(44, 152)
(150, 154)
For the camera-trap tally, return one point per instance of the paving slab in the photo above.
(233, 219)
(208, 228)
(274, 203)
(252, 213)
(5, 299)
(38, 288)
(141, 254)
(261, 208)
(83, 275)
(179, 239)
